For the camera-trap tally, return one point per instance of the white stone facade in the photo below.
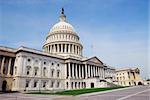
(129, 77)
(60, 66)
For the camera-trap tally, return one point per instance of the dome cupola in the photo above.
(62, 39)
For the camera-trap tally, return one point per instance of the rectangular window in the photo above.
(35, 84)
(58, 73)
(27, 84)
(44, 71)
(58, 84)
(52, 84)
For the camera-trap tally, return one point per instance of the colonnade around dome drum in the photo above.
(64, 48)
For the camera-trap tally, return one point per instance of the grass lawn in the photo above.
(77, 92)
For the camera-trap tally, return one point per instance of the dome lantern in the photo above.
(62, 16)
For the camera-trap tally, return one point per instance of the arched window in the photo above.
(28, 68)
(35, 71)
(44, 71)
(52, 72)
(58, 73)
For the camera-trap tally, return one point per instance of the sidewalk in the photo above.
(96, 93)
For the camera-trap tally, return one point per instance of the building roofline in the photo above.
(126, 69)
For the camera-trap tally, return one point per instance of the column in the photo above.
(79, 71)
(65, 48)
(69, 70)
(94, 71)
(83, 71)
(73, 76)
(91, 71)
(103, 73)
(9, 66)
(75, 49)
(99, 72)
(89, 67)
(20, 65)
(54, 49)
(78, 50)
(69, 48)
(72, 48)
(86, 75)
(61, 48)
(66, 71)
(88, 70)
(48, 49)
(76, 71)
(58, 49)
(2, 65)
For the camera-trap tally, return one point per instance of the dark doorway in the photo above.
(134, 83)
(4, 86)
(140, 83)
(92, 85)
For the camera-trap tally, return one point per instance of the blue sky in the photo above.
(114, 30)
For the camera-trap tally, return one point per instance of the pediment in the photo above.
(95, 60)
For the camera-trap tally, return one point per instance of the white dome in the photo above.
(62, 26)
(62, 39)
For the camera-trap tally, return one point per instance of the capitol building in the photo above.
(60, 66)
